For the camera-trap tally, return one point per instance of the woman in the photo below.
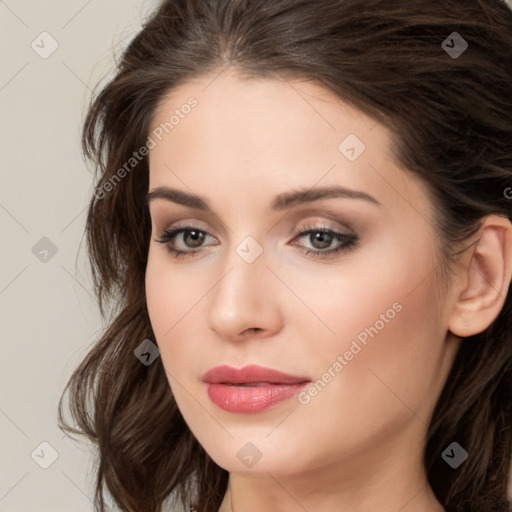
(302, 228)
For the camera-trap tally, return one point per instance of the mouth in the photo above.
(250, 389)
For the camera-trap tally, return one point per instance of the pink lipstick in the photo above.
(251, 388)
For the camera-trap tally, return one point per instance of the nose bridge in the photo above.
(244, 297)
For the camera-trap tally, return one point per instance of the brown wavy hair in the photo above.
(451, 123)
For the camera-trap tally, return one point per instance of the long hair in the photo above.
(450, 117)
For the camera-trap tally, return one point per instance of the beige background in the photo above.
(47, 311)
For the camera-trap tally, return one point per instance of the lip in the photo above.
(250, 374)
(250, 389)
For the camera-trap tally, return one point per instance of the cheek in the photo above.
(390, 344)
(171, 292)
(173, 297)
(160, 298)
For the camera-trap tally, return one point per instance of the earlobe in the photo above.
(487, 272)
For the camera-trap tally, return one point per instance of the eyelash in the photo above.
(349, 241)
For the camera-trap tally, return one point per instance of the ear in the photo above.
(484, 278)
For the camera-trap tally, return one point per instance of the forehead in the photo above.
(268, 135)
(256, 109)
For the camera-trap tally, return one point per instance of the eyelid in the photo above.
(322, 224)
(184, 224)
(164, 219)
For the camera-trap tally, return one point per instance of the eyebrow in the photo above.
(282, 201)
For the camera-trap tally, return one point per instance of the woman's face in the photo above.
(353, 310)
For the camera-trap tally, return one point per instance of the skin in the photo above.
(358, 444)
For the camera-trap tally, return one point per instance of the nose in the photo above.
(246, 301)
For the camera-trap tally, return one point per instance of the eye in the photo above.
(322, 238)
(192, 238)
